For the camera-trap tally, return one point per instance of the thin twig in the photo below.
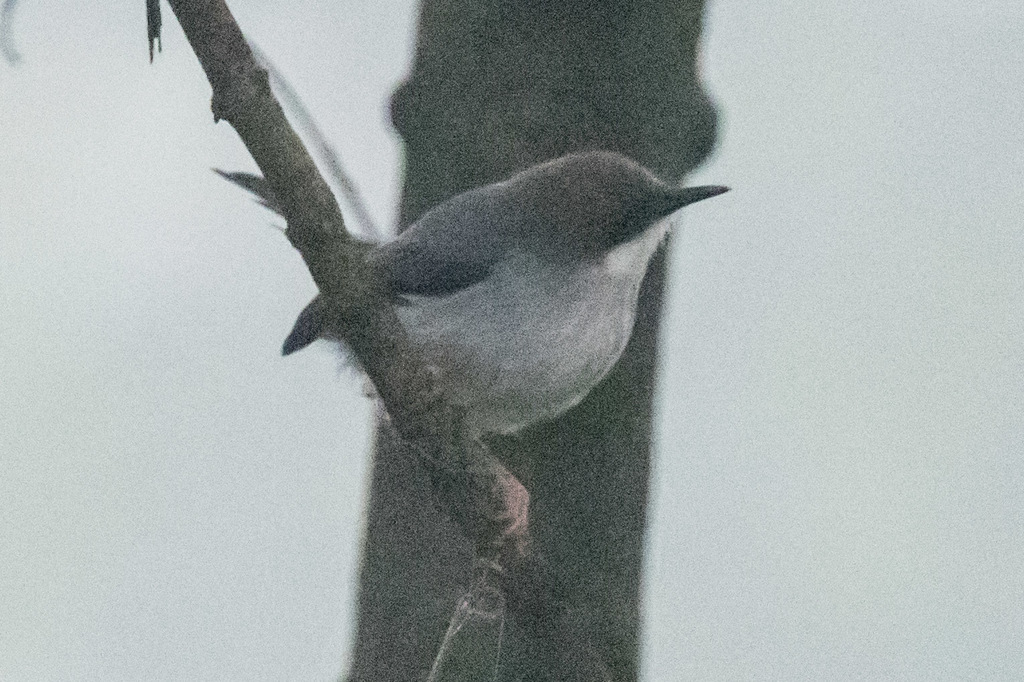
(154, 22)
(7, 48)
(321, 146)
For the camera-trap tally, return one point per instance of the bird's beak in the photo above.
(691, 195)
(671, 199)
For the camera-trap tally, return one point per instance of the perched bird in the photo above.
(523, 292)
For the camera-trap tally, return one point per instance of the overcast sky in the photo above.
(839, 484)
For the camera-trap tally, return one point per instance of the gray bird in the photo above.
(523, 292)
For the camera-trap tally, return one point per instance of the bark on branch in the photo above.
(485, 500)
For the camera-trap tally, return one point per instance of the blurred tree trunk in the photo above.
(498, 85)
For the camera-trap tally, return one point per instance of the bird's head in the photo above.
(589, 202)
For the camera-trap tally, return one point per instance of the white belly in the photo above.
(531, 340)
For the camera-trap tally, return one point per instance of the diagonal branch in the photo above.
(485, 500)
(242, 96)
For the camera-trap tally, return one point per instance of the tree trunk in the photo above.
(498, 85)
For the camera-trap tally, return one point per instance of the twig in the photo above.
(7, 48)
(322, 147)
(154, 22)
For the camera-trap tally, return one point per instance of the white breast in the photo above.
(531, 340)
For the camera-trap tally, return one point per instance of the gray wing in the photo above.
(454, 245)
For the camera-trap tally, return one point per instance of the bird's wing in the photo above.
(453, 246)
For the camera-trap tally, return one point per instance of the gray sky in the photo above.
(839, 489)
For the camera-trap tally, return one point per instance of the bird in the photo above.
(522, 293)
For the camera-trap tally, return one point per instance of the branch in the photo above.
(484, 499)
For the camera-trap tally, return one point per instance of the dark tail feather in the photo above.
(256, 185)
(308, 328)
(310, 325)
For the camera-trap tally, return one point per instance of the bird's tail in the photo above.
(256, 185)
(310, 326)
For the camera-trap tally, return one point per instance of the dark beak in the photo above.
(671, 199)
(661, 202)
(691, 195)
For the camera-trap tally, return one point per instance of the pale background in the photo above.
(839, 484)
